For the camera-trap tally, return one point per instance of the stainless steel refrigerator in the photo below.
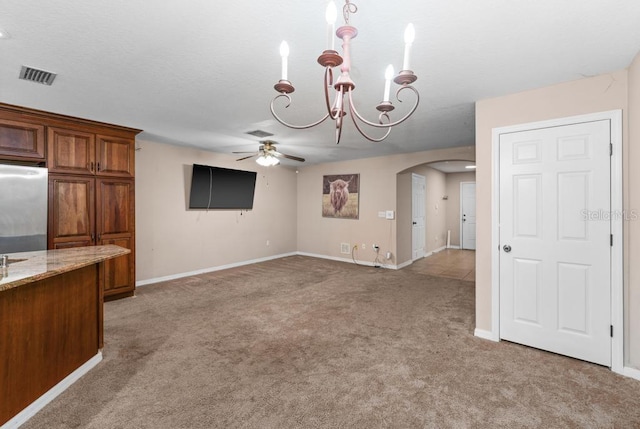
(23, 208)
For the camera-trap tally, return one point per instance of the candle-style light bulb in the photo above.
(388, 75)
(284, 53)
(331, 15)
(409, 37)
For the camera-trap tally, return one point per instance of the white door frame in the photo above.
(617, 297)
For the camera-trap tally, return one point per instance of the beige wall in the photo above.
(381, 187)
(453, 202)
(596, 94)
(632, 296)
(435, 210)
(171, 240)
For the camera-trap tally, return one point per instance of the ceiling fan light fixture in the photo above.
(267, 160)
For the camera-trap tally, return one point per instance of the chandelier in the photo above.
(344, 85)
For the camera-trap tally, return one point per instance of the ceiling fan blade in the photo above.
(283, 155)
(245, 152)
(246, 157)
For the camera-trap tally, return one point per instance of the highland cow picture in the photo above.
(341, 196)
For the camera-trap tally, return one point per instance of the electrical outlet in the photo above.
(364, 246)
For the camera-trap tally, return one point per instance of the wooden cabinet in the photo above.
(70, 151)
(91, 182)
(21, 140)
(78, 152)
(115, 214)
(115, 156)
(88, 211)
(72, 211)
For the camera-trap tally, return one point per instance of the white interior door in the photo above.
(468, 215)
(418, 189)
(555, 239)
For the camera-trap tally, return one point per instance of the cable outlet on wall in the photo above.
(268, 242)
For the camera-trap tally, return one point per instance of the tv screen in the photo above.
(221, 188)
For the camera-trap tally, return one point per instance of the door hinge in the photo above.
(611, 330)
(611, 240)
(610, 149)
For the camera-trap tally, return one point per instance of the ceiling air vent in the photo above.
(38, 76)
(260, 134)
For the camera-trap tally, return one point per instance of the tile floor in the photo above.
(453, 263)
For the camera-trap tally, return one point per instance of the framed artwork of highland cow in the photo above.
(341, 196)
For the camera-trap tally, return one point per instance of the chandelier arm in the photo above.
(332, 111)
(390, 124)
(354, 114)
(296, 127)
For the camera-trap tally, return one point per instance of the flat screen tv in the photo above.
(221, 188)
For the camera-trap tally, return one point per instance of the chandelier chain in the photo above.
(347, 9)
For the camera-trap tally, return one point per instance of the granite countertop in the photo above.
(28, 267)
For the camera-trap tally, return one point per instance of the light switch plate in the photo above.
(390, 214)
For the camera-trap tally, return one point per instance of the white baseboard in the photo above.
(627, 371)
(485, 335)
(210, 269)
(31, 410)
(404, 264)
(452, 246)
(349, 260)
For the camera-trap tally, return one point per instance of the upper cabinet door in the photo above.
(71, 211)
(71, 151)
(21, 140)
(115, 156)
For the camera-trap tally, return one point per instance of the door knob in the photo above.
(415, 223)
(506, 248)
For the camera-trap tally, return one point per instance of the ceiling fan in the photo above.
(268, 153)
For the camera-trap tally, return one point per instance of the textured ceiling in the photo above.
(201, 73)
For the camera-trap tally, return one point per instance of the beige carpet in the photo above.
(308, 343)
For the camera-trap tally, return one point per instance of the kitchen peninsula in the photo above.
(51, 321)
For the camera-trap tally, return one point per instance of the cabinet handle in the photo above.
(98, 166)
(93, 237)
(99, 237)
(91, 167)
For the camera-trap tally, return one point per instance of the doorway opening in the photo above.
(441, 208)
